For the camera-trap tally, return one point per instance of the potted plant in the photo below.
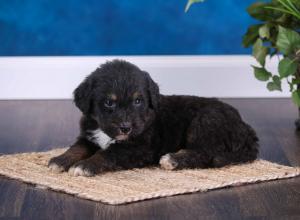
(277, 33)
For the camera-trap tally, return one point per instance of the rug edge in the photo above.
(156, 195)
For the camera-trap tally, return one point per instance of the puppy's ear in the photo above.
(83, 96)
(153, 91)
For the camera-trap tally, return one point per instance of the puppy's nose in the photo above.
(125, 127)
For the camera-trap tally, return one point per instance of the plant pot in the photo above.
(297, 122)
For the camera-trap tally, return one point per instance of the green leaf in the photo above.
(190, 2)
(261, 73)
(271, 86)
(296, 81)
(260, 52)
(287, 67)
(275, 85)
(292, 6)
(260, 11)
(287, 40)
(296, 97)
(276, 80)
(285, 11)
(264, 31)
(287, 7)
(251, 35)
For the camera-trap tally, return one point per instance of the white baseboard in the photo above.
(209, 76)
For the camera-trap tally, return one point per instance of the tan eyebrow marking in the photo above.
(113, 97)
(136, 95)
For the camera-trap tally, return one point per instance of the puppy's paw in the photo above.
(82, 168)
(167, 162)
(80, 171)
(59, 164)
(56, 168)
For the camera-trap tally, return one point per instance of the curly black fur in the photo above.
(127, 124)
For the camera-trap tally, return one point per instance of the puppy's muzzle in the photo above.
(125, 128)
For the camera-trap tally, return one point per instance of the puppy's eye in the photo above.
(109, 103)
(137, 101)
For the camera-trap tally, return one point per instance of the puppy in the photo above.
(127, 124)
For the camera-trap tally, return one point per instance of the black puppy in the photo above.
(127, 124)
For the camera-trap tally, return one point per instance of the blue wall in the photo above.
(121, 27)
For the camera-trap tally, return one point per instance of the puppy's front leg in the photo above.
(80, 150)
(91, 166)
(116, 157)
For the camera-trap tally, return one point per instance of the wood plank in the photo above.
(12, 195)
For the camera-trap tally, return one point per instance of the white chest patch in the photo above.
(100, 138)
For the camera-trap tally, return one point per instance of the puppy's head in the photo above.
(120, 97)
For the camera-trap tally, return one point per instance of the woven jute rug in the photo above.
(137, 184)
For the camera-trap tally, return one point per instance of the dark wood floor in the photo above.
(42, 125)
